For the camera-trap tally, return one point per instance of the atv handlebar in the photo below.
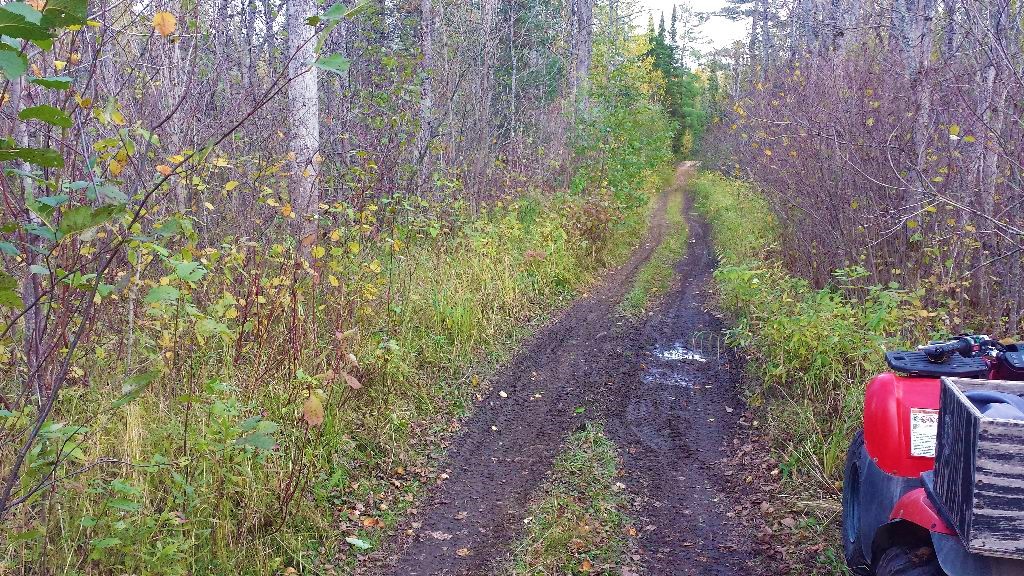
(939, 352)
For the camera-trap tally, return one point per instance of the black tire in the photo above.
(853, 548)
(914, 560)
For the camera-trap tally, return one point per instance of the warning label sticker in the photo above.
(924, 428)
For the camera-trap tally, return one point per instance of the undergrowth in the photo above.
(579, 525)
(810, 351)
(656, 275)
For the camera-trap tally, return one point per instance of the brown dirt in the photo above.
(673, 420)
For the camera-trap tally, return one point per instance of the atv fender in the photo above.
(917, 508)
(955, 560)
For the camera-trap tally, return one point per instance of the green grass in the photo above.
(655, 277)
(579, 524)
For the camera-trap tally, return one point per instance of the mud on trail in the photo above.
(667, 396)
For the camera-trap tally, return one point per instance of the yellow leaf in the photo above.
(164, 169)
(177, 158)
(353, 247)
(287, 211)
(231, 313)
(335, 235)
(230, 186)
(220, 162)
(334, 281)
(164, 23)
(208, 205)
(116, 168)
(969, 139)
(75, 58)
(59, 65)
(911, 223)
(970, 229)
(318, 252)
(954, 130)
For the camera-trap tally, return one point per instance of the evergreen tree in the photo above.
(673, 31)
(682, 93)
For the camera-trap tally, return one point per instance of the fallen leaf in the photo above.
(164, 169)
(587, 566)
(352, 382)
(463, 552)
(313, 411)
(361, 544)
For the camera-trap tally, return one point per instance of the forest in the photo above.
(414, 287)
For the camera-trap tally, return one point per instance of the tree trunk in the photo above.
(304, 116)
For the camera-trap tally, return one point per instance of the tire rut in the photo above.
(509, 443)
(675, 426)
(668, 395)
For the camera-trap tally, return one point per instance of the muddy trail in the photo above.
(667, 396)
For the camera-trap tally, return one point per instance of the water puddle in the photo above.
(680, 353)
(662, 377)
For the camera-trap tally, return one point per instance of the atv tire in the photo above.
(853, 549)
(913, 560)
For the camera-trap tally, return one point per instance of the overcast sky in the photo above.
(718, 32)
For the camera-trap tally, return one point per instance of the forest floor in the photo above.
(667, 392)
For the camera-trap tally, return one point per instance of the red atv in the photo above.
(894, 523)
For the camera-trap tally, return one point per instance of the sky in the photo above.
(718, 32)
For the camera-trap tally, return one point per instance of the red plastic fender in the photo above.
(916, 507)
(889, 403)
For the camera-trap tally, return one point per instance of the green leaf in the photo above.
(63, 13)
(9, 249)
(340, 11)
(134, 387)
(53, 201)
(162, 293)
(25, 536)
(334, 63)
(257, 440)
(46, 157)
(16, 25)
(24, 10)
(188, 271)
(13, 64)
(49, 114)
(105, 543)
(9, 296)
(82, 218)
(53, 82)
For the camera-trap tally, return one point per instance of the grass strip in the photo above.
(654, 279)
(579, 524)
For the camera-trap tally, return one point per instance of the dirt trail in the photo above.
(667, 415)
